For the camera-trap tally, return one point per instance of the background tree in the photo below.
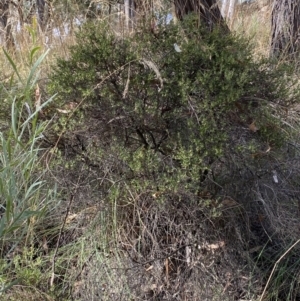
(285, 28)
(4, 20)
(227, 8)
(208, 11)
(129, 12)
(14, 14)
(44, 12)
(27, 9)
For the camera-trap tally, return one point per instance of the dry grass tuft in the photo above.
(171, 247)
(254, 21)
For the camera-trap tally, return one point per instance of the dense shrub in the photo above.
(156, 111)
(165, 108)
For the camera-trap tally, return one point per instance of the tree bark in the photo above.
(208, 11)
(285, 28)
(231, 9)
(43, 10)
(129, 13)
(227, 8)
(4, 12)
(6, 24)
(224, 7)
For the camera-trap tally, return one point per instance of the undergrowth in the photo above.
(26, 197)
(175, 157)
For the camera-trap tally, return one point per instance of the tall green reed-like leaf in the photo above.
(14, 66)
(33, 52)
(33, 116)
(27, 85)
(34, 70)
(25, 197)
(14, 116)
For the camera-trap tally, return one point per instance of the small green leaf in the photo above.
(32, 53)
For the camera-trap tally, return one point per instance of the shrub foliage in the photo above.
(167, 99)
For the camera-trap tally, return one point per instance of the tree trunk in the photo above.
(208, 11)
(4, 12)
(43, 10)
(285, 28)
(20, 12)
(224, 6)
(231, 9)
(227, 8)
(6, 24)
(129, 14)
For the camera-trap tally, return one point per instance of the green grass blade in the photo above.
(32, 53)
(34, 69)
(37, 111)
(34, 188)
(14, 121)
(8, 286)
(13, 65)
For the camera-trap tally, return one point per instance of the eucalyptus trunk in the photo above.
(208, 11)
(285, 28)
(231, 9)
(129, 13)
(228, 8)
(6, 24)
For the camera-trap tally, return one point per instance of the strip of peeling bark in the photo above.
(285, 28)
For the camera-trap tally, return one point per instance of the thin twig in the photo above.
(58, 240)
